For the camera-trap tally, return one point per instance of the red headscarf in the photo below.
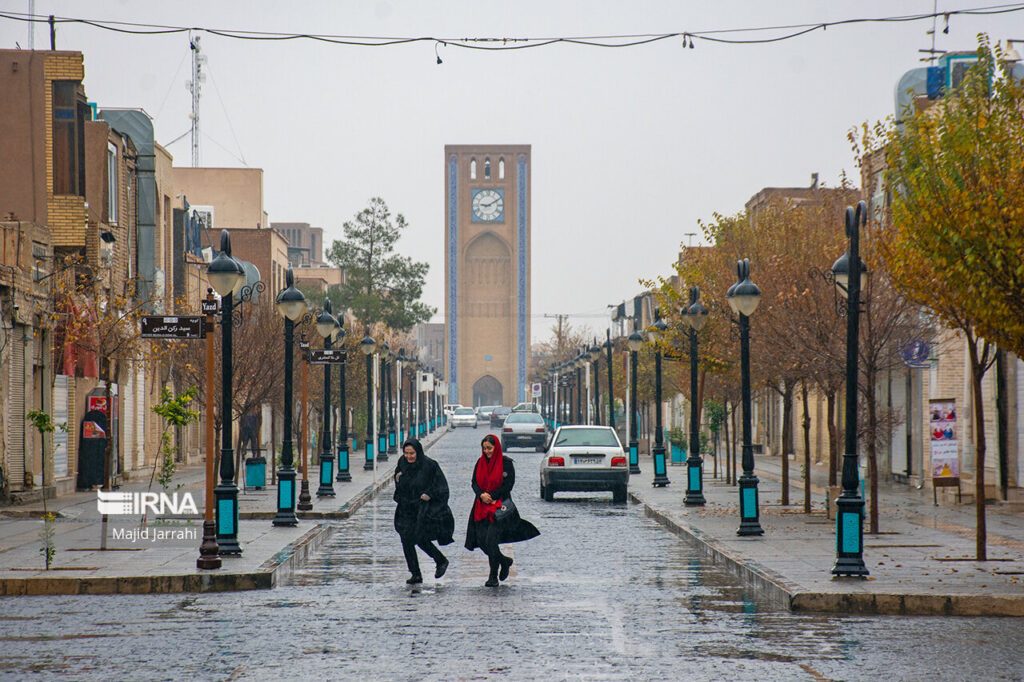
(489, 476)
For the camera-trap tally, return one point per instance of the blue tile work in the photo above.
(521, 247)
(453, 280)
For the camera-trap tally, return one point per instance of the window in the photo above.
(583, 437)
(487, 169)
(112, 184)
(501, 168)
(68, 140)
(472, 169)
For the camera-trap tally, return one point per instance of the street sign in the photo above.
(536, 390)
(210, 307)
(326, 356)
(164, 327)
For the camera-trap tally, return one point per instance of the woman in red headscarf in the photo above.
(493, 479)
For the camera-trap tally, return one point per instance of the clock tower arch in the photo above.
(487, 271)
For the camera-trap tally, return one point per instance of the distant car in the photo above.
(498, 415)
(524, 429)
(483, 413)
(463, 416)
(525, 407)
(584, 458)
(449, 410)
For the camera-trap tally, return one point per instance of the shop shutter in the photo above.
(15, 465)
(61, 410)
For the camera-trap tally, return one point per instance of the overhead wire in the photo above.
(520, 43)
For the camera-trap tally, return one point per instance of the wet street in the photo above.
(603, 593)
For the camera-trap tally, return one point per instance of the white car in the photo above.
(449, 410)
(584, 458)
(463, 416)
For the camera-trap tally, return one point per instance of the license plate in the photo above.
(587, 460)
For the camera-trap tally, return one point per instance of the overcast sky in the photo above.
(631, 146)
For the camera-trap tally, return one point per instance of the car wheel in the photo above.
(474, 426)
(549, 494)
(503, 446)
(542, 493)
(619, 494)
(539, 448)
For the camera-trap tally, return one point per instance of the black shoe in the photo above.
(505, 565)
(491, 582)
(442, 566)
(415, 579)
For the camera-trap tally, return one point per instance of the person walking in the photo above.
(422, 515)
(494, 518)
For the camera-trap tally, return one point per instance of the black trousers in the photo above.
(248, 438)
(487, 535)
(409, 546)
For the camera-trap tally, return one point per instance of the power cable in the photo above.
(520, 43)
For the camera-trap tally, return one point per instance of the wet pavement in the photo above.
(603, 593)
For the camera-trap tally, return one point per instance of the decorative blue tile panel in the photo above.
(453, 280)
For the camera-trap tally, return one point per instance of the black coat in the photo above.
(415, 518)
(514, 528)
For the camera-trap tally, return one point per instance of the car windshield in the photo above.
(464, 410)
(500, 410)
(596, 437)
(524, 418)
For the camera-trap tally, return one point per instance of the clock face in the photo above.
(488, 205)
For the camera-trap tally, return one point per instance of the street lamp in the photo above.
(305, 501)
(695, 316)
(400, 359)
(382, 425)
(368, 346)
(657, 332)
(595, 355)
(635, 342)
(851, 275)
(292, 304)
(209, 551)
(743, 298)
(343, 436)
(611, 391)
(578, 363)
(392, 444)
(327, 327)
(226, 275)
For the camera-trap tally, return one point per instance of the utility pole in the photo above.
(559, 332)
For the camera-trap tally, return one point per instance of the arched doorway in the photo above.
(487, 391)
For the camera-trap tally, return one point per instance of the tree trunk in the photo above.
(735, 445)
(728, 461)
(787, 436)
(872, 447)
(833, 439)
(807, 450)
(977, 372)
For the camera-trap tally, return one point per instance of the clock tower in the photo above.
(487, 273)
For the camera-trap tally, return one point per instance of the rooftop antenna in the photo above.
(195, 87)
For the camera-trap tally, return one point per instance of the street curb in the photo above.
(781, 591)
(266, 577)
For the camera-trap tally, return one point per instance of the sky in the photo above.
(631, 147)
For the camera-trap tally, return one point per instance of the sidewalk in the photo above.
(920, 563)
(268, 552)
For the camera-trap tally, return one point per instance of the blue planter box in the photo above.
(256, 472)
(678, 455)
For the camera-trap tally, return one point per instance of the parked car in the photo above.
(584, 458)
(524, 429)
(483, 413)
(498, 415)
(463, 416)
(525, 407)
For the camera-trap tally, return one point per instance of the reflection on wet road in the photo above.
(603, 593)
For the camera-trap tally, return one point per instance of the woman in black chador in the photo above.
(493, 479)
(423, 514)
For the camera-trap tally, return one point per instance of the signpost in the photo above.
(326, 356)
(179, 327)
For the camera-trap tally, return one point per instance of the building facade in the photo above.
(487, 272)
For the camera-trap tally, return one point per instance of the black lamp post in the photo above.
(696, 316)
(413, 399)
(635, 342)
(343, 455)
(327, 327)
(611, 390)
(577, 363)
(368, 346)
(656, 333)
(399, 408)
(382, 424)
(392, 443)
(226, 276)
(595, 355)
(292, 304)
(743, 298)
(851, 275)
